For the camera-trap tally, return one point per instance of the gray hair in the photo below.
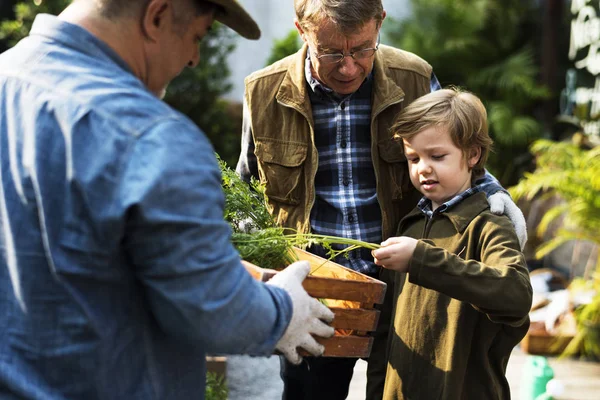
(348, 15)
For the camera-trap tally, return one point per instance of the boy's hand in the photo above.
(395, 253)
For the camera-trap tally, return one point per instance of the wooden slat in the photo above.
(331, 288)
(320, 266)
(358, 319)
(346, 282)
(216, 364)
(345, 346)
(256, 272)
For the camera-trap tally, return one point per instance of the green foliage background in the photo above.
(285, 46)
(573, 174)
(196, 92)
(487, 47)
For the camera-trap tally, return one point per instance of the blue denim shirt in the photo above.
(117, 274)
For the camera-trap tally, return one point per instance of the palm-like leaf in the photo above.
(478, 45)
(574, 175)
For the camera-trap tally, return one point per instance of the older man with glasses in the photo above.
(316, 133)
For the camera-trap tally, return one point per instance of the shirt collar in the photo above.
(76, 37)
(425, 204)
(460, 212)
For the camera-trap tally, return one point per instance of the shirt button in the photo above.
(351, 218)
(346, 182)
(343, 144)
(343, 106)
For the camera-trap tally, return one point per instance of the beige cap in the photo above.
(234, 16)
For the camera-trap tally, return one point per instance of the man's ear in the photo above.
(383, 15)
(474, 156)
(154, 18)
(300, 30)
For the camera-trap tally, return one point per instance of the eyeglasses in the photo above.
(357, 55)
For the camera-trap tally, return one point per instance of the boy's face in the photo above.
(438, 168)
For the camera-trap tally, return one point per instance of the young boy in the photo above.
(463, 303)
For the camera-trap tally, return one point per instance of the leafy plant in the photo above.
(216, 387)
(244, 203)
(572, 173)
(6, 13)
(587, 339)
(478, 45)
(285, 46)
(13, 30)
(255, 234)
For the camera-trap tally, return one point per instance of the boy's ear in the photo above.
(474, 156)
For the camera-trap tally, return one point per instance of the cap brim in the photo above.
(234, 16)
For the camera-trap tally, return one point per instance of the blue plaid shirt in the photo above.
(345, 187)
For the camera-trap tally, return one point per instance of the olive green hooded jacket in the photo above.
(462, 307)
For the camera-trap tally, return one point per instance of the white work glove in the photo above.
(307, 313)
(501, 203)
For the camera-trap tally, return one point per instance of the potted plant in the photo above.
(587, 340)
(216, 387)
(572, 173)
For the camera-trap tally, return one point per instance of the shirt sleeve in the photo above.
(488, 184)
(498, 285)
(247, 165)
(434, 84)
(180, 247)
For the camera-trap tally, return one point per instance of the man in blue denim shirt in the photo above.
(117, 274)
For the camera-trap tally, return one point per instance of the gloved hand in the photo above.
(501, 203)
(307, 313)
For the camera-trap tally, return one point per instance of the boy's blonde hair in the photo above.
(461, 112)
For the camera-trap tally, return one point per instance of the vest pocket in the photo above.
(392, 152)
(280, 166)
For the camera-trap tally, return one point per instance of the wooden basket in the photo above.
(349, 294)
(538, 341)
